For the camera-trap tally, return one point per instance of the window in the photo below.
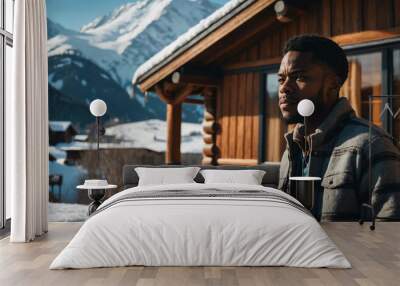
(375, 72)
(364, 79)
(273, 126)
(396, 91)
(6, 43)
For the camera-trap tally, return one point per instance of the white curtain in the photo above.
(27, 123)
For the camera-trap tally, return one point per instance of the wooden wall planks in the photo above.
(238, 116)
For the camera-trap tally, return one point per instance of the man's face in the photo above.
(301, 78)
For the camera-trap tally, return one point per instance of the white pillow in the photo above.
(248, 177)
(162, 176)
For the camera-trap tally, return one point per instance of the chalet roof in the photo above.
(81, 137)
(190, 38)
(57, 153)
(60, 126)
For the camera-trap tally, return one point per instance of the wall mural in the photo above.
(93, 51)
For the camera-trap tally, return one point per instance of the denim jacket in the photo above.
(340, 156)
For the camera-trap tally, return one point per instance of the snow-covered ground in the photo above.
(148, 134)
(72, 176)
(60, 212)
(152, 134)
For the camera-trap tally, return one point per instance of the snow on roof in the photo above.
(81, 137)
(57, 153)
(78, 145)
(59, 126)
(186, 38)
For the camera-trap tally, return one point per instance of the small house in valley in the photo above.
(61, 132)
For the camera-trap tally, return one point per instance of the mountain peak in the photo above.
(117, 29)
(109, 49)
(101, 20)
(129, 35)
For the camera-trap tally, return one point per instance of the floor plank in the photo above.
(375, 257)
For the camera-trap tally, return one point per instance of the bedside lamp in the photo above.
(306, 188)
(98, 108)
(305, 108)
(97, 187)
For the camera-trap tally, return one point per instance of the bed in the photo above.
(197, 224)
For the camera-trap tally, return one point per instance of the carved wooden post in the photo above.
(210, 127)
(174, 116)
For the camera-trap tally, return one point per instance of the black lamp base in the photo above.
(362, 215)
(96, 196)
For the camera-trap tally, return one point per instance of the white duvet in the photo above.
(200, 231)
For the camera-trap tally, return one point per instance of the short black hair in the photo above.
(323, 50)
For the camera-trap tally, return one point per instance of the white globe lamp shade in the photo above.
(305, 107)
(98, 107)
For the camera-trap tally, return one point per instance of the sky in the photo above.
(73, 14)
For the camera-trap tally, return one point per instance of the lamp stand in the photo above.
(305, 143)
(98, 141)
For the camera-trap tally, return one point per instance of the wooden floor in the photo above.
(375, 257)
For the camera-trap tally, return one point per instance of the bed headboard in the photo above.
(130, 178)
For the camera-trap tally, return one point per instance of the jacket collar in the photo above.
(340, 111)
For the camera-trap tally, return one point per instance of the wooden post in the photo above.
(210, 127)
(174, 117)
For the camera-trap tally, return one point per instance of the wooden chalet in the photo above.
(233, 63)
(61, 132)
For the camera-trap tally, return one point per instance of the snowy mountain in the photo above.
(75, 81)
(131, 34)
(54, 29)
(99, 60)
(66, 108)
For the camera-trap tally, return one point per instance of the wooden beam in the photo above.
(174, 117)
(207, 161)
(210, 127)
(286, 11)
(366, 36)
(183, 93)
(194, 101)
(208, 116)
(171, 94)
(205, 43)
(162, 94)
(208, 138)
(210, 150)
(210, 101)
(243, 162)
